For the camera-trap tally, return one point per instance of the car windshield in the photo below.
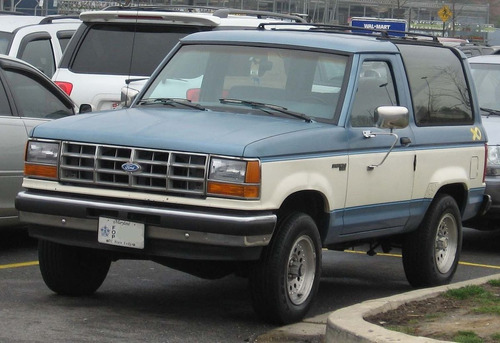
(487, 80)
(270, 81)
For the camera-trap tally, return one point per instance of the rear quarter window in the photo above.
(438, 85)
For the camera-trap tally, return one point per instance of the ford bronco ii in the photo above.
(249, 151)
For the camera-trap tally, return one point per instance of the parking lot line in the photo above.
(35, 263)
(399, 255)
(17, 265)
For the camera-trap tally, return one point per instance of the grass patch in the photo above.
(494, 283)
(467, 337)
(485, 301)
(489, 309)
(496, 337)
(466, 292)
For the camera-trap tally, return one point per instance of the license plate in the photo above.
(121, 233)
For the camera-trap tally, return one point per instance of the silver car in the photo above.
(27, 98)
(486, 75)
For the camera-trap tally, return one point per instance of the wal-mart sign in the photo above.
(380, 24)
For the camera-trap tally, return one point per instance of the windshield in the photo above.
(487, 80)
(268, 81)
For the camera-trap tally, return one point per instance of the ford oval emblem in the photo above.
(131, 167)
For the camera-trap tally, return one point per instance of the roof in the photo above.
(490, 59)
(181, 16)
(10, 23)
(308, 39)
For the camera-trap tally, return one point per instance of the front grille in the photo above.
(160, 171)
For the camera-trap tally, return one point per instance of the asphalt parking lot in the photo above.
(142, 301)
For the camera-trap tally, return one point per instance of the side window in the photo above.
(39, 53)
(64, 37)
(4, 103)
(375, 88)
(33, 99)
(438, 86)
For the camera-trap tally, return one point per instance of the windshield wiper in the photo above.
(263, 107)
(171, 102)
(490, 111)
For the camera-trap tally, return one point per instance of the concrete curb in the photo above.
(348, 326)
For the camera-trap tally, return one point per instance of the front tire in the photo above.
(431, 253)
(70, 270)
(285, 280)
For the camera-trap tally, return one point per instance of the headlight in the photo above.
(41, 159)
(234, 178)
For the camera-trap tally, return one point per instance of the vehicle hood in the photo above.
(492, 126)
(196, 131)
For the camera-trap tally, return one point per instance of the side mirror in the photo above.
(85, 108)
(391, 117)
(127, 96)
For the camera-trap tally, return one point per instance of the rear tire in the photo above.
(72, 271)
(431, 253)
(285, 280)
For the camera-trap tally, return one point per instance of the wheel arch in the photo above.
(457, 191)
(312, 203)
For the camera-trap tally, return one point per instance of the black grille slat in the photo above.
(160, 171)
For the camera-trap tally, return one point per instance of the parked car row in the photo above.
(123, 50)
(391, 150)
(110, 47)
(248, 151)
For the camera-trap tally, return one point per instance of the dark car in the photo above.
(27, 98)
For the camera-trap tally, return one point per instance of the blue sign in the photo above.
(380, 24)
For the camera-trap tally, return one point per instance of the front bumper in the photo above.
(170, 232)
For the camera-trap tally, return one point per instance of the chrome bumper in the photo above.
(199, 226)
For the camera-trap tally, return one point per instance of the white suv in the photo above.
(37, 40)
(119, 44)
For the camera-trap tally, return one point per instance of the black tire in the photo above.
(431, 253)
(70, 270)
(285, 280)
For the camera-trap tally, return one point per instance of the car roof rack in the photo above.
(224, 12)
(220, 12)
(51, 18)
(381, 34)
(164, 8)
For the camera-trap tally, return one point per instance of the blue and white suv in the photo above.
(249, 151)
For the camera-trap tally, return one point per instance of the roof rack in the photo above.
(224, 12)
(381, 34)
(220, 12)
(164, 8)
(50, 19)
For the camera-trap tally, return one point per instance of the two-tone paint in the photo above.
(327, 164)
